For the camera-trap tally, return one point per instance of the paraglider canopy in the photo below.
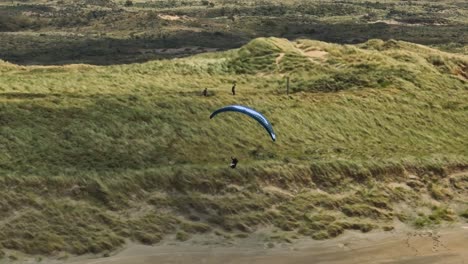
(250, 112)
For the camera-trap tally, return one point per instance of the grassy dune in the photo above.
(128, 151)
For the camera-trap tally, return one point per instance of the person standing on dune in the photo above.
(233, 89)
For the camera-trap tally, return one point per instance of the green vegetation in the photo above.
(464, 214)
(437, 215)
(438, 192)
(128, 151)
(182, 236)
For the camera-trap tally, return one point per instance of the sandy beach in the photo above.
(448, 246)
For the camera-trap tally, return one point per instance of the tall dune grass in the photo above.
(110, 148)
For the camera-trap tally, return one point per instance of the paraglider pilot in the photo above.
(205, 92)
(234, 162)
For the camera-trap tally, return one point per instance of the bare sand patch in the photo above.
(395, 22)
(173, 17)
(388, 22)
(315, 53)
(169, 17)
(279, 58)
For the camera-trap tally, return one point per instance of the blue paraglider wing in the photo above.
(250, 112)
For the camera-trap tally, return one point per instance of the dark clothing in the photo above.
(234, 162)
(233, 89)
(205, 92)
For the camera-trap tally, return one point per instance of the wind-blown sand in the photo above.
(409, 247)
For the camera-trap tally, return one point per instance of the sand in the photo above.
(449, 246)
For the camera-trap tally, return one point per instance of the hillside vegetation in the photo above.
(105, 32)
(371, 134)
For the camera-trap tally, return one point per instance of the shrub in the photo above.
(128, 3)
(464, 214)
